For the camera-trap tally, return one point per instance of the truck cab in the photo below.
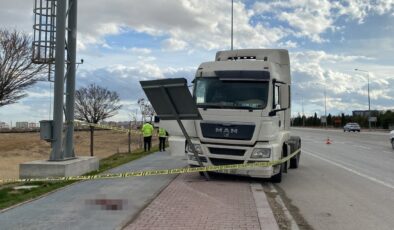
(244, 99)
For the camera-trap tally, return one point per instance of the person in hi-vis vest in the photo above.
(147, 131)
(162, 139)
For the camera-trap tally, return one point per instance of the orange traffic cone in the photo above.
(328, 141)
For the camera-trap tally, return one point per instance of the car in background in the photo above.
(392, 138)
(351, 127)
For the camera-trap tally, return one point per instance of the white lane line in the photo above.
(388, 152)
(363, 147)
(351, 170)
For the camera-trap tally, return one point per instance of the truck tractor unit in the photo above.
(244, 99)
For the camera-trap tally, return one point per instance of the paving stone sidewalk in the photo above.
(96, 204)
(191, 202)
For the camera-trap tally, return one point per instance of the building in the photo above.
(22, 125)
(4, 125)
(32, 125)
(365, 113)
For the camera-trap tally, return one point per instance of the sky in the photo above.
(123, 42)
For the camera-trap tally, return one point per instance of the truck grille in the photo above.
(233, 152)
(217, 161)
(227, 131)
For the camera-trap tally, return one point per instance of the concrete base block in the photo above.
(45, 168)
(176, 145)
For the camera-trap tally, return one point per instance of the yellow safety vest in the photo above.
(162, 132)
(147, 130)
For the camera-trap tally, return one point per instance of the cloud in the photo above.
(140, 51)
(189, 23)
(319, 76)
(206, 24)
(124, 41)
(125, 81)
(313, 18)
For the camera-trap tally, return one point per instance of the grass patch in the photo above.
(9, 196)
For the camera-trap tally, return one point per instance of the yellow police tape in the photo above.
(158, 171)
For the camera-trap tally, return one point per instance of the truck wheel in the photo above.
(278, 177)
(392, 143)
(295, 161)
(202, 174)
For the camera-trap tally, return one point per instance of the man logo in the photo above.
(226, 132)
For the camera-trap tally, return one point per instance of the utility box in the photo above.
(46, 127)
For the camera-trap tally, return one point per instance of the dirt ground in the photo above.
(16, 148)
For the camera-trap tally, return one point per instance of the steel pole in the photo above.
(369, 100)
(369, 106)
(303, 114)
(232, 22)
(56, 153)
(325, 104)
(70, 87)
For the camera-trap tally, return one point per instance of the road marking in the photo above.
(363, 147)
(363, 132)
(350, 170)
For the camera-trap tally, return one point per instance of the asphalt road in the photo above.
(348, 184)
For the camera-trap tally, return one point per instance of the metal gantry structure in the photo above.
(51, 47)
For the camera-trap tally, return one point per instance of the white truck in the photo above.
(244, 99)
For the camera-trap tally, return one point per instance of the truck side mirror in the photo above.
(281, 97)
(284, 99)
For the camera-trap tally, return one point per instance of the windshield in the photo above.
(215, 93)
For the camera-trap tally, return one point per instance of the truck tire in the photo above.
(277, 178)
(295, 161)
(202, 174)
(392, 143)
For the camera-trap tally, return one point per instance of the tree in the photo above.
(329, 119)
(94, 104)
(146, 109)
(17, 71)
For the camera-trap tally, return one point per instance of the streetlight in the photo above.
(232, 23)
(369, 100)
(325, 101)
(302, 108)
(325, 104)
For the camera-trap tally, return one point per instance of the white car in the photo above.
(392, 138)
(351, 127)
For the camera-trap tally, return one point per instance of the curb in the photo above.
(278, 199)
(265, 215)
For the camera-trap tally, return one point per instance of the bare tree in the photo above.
(94, 104)
(146, 108)
(17, 71)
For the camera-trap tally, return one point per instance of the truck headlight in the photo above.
(261, 153)
(196, 146)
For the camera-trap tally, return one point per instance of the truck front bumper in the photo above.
(255, 172)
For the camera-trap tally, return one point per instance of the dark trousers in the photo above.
(147, 142)
(162, 143)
